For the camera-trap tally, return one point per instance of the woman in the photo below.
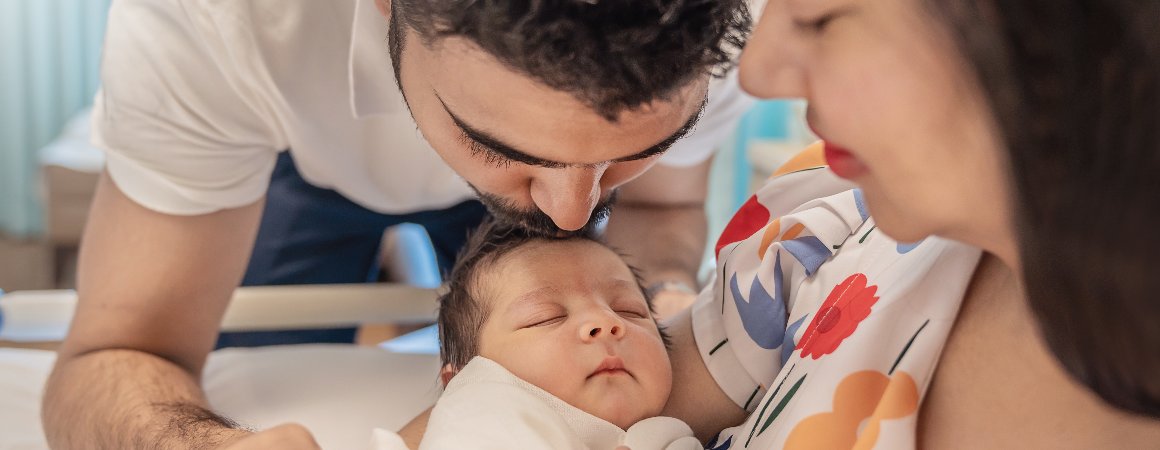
(1028, 130)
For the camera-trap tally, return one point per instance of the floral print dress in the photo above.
(823, 328)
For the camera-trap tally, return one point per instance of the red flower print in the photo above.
(838, 317)
(749, 219)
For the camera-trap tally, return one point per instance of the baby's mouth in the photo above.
(612, 365)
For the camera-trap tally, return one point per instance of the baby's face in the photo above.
(569, 317)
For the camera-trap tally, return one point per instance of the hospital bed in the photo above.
(340, 392)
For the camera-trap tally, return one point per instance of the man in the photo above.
(280, 126)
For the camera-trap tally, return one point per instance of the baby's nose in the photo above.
(601, 329)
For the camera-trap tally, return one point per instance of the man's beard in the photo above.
(536, 222)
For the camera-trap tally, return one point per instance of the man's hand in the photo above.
(289, 436)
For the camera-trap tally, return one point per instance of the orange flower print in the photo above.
(868, 394)
(847, 305)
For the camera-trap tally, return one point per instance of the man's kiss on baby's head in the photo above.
(565, 314)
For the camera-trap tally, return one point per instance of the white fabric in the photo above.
(199, 97)
(340, 392)
(487, 407)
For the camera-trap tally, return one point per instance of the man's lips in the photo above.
(611, 365)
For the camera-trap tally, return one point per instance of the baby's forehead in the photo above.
(532, 271)
(543, 298)
(540, 257)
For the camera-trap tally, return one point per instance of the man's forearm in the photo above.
(666, 242)
(129, 399)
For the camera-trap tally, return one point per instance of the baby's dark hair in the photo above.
(461, 314)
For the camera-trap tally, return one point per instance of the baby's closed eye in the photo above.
(544, 321)
(634, 308)
(636, 313)
(543, 315)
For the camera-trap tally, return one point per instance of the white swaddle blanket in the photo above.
(487, 407)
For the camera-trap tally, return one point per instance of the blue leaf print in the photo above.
(808, 250)
(724, 445)
(860, 202)
(787, 343)
(906, 248)
(762, 314)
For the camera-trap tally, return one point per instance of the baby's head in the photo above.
(567, 315)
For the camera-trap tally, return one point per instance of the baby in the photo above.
(550, 343)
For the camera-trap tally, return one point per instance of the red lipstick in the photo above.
(842, 162)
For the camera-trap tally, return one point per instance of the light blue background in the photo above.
(49, 60)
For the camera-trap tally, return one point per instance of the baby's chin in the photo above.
(624, 412)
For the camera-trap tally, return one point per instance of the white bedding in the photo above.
(340, 392)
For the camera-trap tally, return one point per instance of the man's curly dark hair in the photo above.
(613, 55)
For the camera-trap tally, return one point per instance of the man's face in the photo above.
(569, 317)
(538, 157)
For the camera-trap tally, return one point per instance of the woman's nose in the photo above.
(768, 66)
(607, 326)
(568, 195)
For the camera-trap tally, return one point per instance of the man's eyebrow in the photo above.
(508, 152)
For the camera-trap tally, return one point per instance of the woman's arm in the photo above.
(412, 432)
(696, 398)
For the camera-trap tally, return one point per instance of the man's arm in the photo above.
(152, 292)
(659, 221)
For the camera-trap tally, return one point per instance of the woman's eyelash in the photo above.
(817, 25)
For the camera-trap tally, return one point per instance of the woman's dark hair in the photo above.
(463, 307)
(1075, 88)
(610, 54)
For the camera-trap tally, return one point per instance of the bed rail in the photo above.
(44, 316)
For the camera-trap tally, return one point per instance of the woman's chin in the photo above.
(900, 229)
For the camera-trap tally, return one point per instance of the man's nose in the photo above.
(568, 195)
(605, 325)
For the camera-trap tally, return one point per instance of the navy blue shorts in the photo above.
(310, 235)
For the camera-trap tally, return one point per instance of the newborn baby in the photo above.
(549, 343)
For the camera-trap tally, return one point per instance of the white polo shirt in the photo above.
(198, 98)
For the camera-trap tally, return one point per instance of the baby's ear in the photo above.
(446, 373)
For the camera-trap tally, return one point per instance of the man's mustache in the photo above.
(537, 222)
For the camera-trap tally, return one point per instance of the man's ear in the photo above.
(447, 373)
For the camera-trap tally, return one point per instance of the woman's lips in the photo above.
(842, 162)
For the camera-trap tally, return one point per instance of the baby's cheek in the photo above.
(658, 374)
(552, 368)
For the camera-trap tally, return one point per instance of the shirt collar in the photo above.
(373, 89)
